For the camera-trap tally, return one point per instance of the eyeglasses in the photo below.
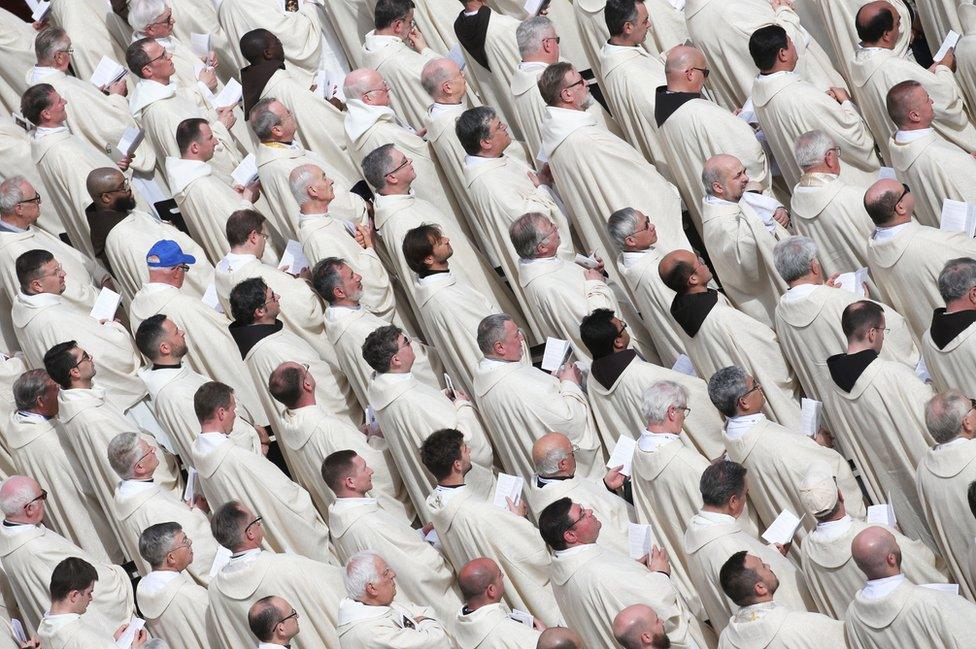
(70, 50)
(85, 356)
(188, 544)
(262, 234)
(686, 409)
(184, 267)
(43, 496)
(254, 522)
(403, 164)
(124, 187)
(623, 328)
(169, 20)
(905, 191)
(294, 614)
(835, 149)
(647, 226)
(551, 38)
(274, 298)
(406, 342)
(755, 386)
(578, 83)
(385, 88)
(583, 514)
(886, 330)
(36, 200)
(705, 71)
(59, 269)
(164, 55)
(151, 451)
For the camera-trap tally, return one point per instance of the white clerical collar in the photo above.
(44, 131)
(475, 160)
(959, 441)
(232, 261)
(715, 518)
(394, 377)
(904, 137)
(544, 481)
(156, 581)
(209, 442)
(488, 364)
(32, 416)
(471, 13)
(41, 299)
(38, 72)
(886, 234)
(59, 620)
(11, 528)
(532, 66)
(715, 200)
(447, 494)
(342, 504)
(333, 313)
(827, 531)
(540, 260)
(246, 555)
(271, 645)
(12, 227)
(351, 610)
(129, 488)
(878, 588)
(799, 292)
(568, 552)
(736, 427)
(754, 612)
(437, 108)
(633, 257)
(773, 75)
(651, 442)
(436, 278)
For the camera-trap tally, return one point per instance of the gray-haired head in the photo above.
(659, 397)
(13, 191)
(156, 541)
(957, 278)
(361, 570)
(944, 414)
(298, 181)
(473, 126)
(29, 387)
(377, 164)
(726, 387)
(123, 453)
(810, 149)
(143, 13)
(491, 330)
(548, 464)
(435, 73)
(527, 232)
(530, 33)
(792, 257)
(622, 224)
(15, 493)
(262, 119)
(49, 42)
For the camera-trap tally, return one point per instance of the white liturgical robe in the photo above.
(950, 364)
(639, 270)
(771, 626)
(69, 631)
(935, 169)
(491, 627)
(17, 49)
(95, 30)
(383, 627)
(175, 608)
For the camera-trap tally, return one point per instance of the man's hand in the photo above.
(200, 502)
(614, 479)
(839, 95)
(949, 60)
(790, 4)
(416, 40)
(782, 217)
(124, 163)
(519, 509)
(141, 638)
(783, 549)
(208, 78)
(657, 560)
(251, 193)
(427, 529)
(364, 236)
(594, 274)
(545, 176)
(569, 372)
(832, 281)
(226, 116)
(117, 88)
(538, 625)
(33, 643)
(824, 437)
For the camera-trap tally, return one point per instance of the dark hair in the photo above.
(149, 334)
(262, 618)
(150, 542)
(554, 522)
(388, 12)
(721, 480)
(246, 298)
(381, 346)
(598, 333)
(472, 126)
(418, 244)
(285, 384)
(241, 224)
(738, 582)
(210, 396)
(971, 497)
(71, 574)
(765, 44)
(441, 450)
(136, 57)
(35, 100)
(551, 81)
(336, 467)
(870, 31)
(325, 277)
(59, 362)
(617, 13)
(882, 209)
(227, 524)
(859, 317)
(188, 132)
(677, 277)
(28, 266)
(254, 43)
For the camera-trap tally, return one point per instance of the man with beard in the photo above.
(639, 627)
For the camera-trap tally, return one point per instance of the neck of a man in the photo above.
(809, 278)
(212, 427)
(779, 66)
(162, 80)
(822, 168)
(19, 519)
(53, 64)
(350, 493)
(43, 123)
(66, 607)
(394, 190)
(387, 31)
(189, 155)
(167, 568)
(503, 359)
(683, 85)
(884, 45)
(266, 319)
(719, 509)
(109, 209)
(248, 544)
(636, 249)
(437, 266)
(857, 346)
(746, 412)
(13, 220)
(548, 254)
(314, 206)
(836, 516)
(475, 603)
(244, 249)
(669, 426)
(696, 289)
(897, 219)
(884, 573)
(914, 126)
(473, 5)
(557, 474)
(346, 302)
(81, 384)
(962, 304)
(566, 106)
(167, 359)
(541, 57)
(453, 480)
(160, 277)
(448, 100)
(623, 41)
(761, 599)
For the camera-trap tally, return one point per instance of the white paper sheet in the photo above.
(449, 382)
(623, 454)
(106, 304)
(886, 173)
(958, 216)
(640, 539)
(107, 72)
(135, 625)
(456, 54)
(231, 94)
(131, 138)
(748, 112)
(39, 9)
(783, 528)
(191, 485)
(949, 42)
(555, 354)
(293, 257)
(883, 514)
(210, 298)
(221, 558)
(507, 486)
(854, 282)
(200, 44)
(921, 371)
(532, 7)
(18, 629)
(369, 417)
(810, 414)
(952, 589)
(586, 261)
(684, 365)
(765, 206)
(246, 173)
(524, 617)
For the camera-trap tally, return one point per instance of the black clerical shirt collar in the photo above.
(691, 309)
(846, 369)
(946, 326)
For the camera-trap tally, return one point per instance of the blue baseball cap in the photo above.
(167, 254)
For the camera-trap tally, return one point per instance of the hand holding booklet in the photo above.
(883, 514)
(810, 413)
(640, 540)
(131, 138)
(246, 173)
(556, 354)
(854, 282)
(106, 304)
(106, 73)
(293, 259)
(783, 528)
(232, 93)
(507, 487)
(958, 216)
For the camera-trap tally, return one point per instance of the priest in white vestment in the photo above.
(892, 611)
(592, 583)
(228, 472)
(717, 335)
(470, 526)
(359, 522)
(15, 159)
(938, 169)
(315, 588)
(904, 257)
(30, 552)
(39, 448)
(485, 621)
(714, 534)
(17, 49)
(740, 238)
(808, 317)
(943, 477)
(722, 30)
(877, 67)
(693, 129)
(788, 106)
(521, 403)
(309, 434)
(761, 623)
(273, 621)
(877, 408)
(827, 208)
(141, 503)
(408, 411)
(175, 608)
(97, 31)
(832, 575)
(775, 457)
(947, 345)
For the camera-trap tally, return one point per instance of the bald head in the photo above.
(876, 553)
(676, 268)
(559, 637)
(680, 69)
(361, 81)
(442, 80)
(887, 203)
(878, 24)
(724, 176)
(548, 453)
(16, 492)
(103, 180)
(476, 579)
(638, 626)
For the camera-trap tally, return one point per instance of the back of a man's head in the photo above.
(559, 637)
(859, 318)
(72, 574)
